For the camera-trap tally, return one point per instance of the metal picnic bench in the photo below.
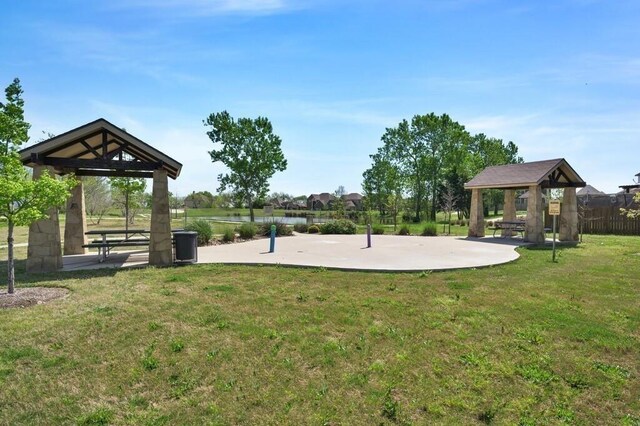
(517, 226)
(105, 245)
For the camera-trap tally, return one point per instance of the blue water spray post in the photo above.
(368, 235)
(272, 242)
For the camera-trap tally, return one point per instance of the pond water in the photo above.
(287, 220)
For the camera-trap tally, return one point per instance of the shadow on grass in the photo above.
(24, 280)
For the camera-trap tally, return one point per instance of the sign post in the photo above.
(554, 210)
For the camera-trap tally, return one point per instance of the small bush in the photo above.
(340, 226)
(229, 235)
(377, 229)
(313, 229)
(430, 230)
(204, 230)
(301, 227)
(281, 229)
(247, 231)
(404, 230)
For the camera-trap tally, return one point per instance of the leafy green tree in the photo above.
(251, 152)
(128, 194)
(633, 213)
(422, 150)
(22, 200)
(97, 197)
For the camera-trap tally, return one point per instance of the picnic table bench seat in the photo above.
(515, 226)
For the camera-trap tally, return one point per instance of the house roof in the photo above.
(354, 196)
(556, 173)
(96, 148)
(589, 190)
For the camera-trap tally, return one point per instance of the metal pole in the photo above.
(368, 235)
(272, 242)
(554, 238)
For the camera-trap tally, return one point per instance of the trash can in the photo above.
(186, 247)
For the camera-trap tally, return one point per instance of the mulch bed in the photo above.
(25, 297)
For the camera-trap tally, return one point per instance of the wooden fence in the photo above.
(608, 220)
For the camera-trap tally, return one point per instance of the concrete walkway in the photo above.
(388, 252)
(348, 252)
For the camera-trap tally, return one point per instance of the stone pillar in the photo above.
(509, 212)
(476, 218)
(534, 227)
(569, 216)
(75, 223)
(160, 248)
(44, 253)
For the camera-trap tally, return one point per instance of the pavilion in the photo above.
(98, 148)
(534, 177)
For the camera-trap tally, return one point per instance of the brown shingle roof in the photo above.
(524, 175)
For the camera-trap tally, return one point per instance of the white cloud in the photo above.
(204, 8)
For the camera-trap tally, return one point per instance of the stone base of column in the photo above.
(160, 247)
(569, 216)
(534, 227)
(44, 253)
(75, 223)
(476, 217)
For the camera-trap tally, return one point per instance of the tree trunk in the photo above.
(252, 216)
(434, 194)
(11, 278)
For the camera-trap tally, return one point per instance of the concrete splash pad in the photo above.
(350, 252)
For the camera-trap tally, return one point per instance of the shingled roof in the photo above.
(556, 173)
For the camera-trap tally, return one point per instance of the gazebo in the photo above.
(98, 148)
(534, 177)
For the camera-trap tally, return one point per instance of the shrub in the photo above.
(313, 229)
(247, 231)
(204, 230)
(281, 229)
(300, 227)
(340, 226)
(430, 230)
(377, 229)
(229, 235)
(404, 230)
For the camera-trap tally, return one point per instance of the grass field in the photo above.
(530, 342)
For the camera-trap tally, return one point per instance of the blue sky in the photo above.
(560, 78)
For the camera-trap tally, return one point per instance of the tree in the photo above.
(175, 202)
(128, 193)
(448, 204)
(633, 213)
(340, 191)
(22, 200)
(97, 197)
(382, 181)
(250, 151)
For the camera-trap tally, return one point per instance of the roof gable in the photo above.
(556, 173)
(96, 145)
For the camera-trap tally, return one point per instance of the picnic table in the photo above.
(516, 226)
(127, 238)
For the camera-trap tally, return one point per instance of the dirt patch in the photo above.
(25, 297)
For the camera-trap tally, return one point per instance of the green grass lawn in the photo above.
(530, 342)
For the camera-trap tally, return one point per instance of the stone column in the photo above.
(44, 253)
(75, 223)
(476, 218)
(569, 216)
(160, 248)
(509, 212)
(534, 227)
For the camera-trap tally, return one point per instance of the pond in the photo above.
(260, 219)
